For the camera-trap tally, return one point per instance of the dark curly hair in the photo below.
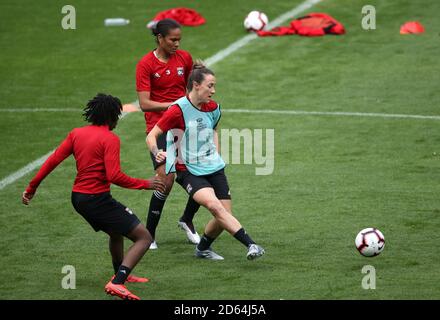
(103, 109)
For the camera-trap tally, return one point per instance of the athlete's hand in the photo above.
(158, 183)
(161, 156)
(27, 197)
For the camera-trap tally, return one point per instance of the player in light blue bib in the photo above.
(192, 151)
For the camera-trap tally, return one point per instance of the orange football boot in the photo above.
(133, 279)
(119, 290)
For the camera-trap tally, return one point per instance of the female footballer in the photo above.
(97, 153)
(161, 77)
(192, 121)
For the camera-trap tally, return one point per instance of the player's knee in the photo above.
(215, 207)
(168, 180)
(141, 234)
(168, 187)
(147, 238)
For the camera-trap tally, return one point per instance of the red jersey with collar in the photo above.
(96, 150)
(173, 119)
(166, 82)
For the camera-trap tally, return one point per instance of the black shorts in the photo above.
(161, 144)
(104, 213)
(217, 180)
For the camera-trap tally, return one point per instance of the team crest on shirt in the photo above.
(180, 71)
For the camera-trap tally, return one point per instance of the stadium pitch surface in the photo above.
(333, 174)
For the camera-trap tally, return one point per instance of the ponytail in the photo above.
(197, 74)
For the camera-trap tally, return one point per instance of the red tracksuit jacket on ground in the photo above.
(184, 16)
(96, 150)
(311, 25)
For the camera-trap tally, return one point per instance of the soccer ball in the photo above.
(370, 242)
(255, 21)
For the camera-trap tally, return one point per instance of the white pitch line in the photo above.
(209, 61)
(333, 113)
(41, 110)
(31, 166)
(47, 110)
(246, 39)
(24, 171)
(302, 112)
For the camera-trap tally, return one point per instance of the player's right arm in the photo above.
(116, 176)
(148, 105)
(171, 119)
(151, 140)
(64, 150)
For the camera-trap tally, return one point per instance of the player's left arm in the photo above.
(216, 125)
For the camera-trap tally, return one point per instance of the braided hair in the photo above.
(102, 110)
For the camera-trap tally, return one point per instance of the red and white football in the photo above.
(370, 242)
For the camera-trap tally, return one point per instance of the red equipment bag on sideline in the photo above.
(311, 25)
(184, 16)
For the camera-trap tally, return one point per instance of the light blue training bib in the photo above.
(195, 146)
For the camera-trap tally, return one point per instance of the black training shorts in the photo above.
(217, 180)
(104, 213)
(161, 144)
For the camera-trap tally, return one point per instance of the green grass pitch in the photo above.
(334, 175)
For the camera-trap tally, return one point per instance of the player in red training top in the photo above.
(96, 150)
(161, 78)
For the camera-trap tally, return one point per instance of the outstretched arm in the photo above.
(64, 150)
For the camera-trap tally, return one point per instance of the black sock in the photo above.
(188, 215)
(243, 237)
(154, 211)
(116, 265)
(205, 242)
(121, 275)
